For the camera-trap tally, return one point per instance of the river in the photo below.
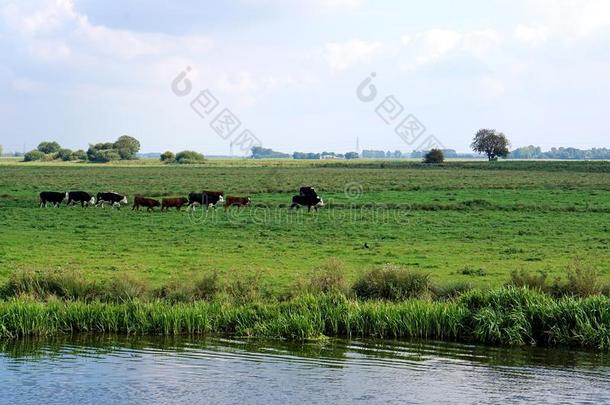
(110, 369)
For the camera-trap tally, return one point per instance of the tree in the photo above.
(64, 154)
(0, 150)
(351, 155)
(189, 156)
(434, 156)
(33, 155)
(49, 147)
(127, 147)
(494, 144)
(168, 157)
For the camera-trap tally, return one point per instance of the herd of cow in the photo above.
(308, 197)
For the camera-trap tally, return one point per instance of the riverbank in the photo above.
(504, 316)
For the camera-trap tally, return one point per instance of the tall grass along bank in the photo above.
(505, 316)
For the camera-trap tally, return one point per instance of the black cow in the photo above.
(113, 199)
(82, 197)
(52, 197)
(207, 198)
(307, 190)
(307, 201)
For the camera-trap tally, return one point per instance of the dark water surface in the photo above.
(149, 370)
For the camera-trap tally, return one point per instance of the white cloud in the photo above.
(532, 35)
(433, 45)
(342, 55)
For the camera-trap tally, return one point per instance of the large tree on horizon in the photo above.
(491, 142)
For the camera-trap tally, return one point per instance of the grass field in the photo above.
(463, 221)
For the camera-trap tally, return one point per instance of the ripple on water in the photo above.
(114, 369)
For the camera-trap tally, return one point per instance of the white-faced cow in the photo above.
(307, 201)
(112, 199)
(52, 197)
(85, 199)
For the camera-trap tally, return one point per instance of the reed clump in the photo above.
(503, 316)
(392, 282)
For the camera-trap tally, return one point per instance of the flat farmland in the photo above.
(468, 222)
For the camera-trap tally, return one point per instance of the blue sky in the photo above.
(87, 71)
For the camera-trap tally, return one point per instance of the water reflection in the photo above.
(120, 369)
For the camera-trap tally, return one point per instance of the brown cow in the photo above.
(237, 201)
(149, 203)
(166, 203)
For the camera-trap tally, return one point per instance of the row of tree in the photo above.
(124, 148)
(535, 152)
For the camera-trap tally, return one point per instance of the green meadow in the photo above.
(470, 222)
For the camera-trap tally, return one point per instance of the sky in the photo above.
(309, 75)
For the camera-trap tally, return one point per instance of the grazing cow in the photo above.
(307, 190)
(206, 198)
(149, 203)
(166, 203)
(111, 198)
(52, 197)
(307, 201)
(237, 201)
(82, 197)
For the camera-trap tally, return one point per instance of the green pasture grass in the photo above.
(444, 220)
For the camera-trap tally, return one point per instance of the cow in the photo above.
(206, 198)
(307, 190)
(307, 201)
(52, 197)
(82, 197)
(149, 203)
(111, 198)
(237, 201)
(166, 203)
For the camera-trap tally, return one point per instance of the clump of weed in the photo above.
(448, 292)
(65, 284)
(471, 271)
(392, 282)
(582, 280)
(126, 288)
(328, 277)
(246, 289)
(523, 278)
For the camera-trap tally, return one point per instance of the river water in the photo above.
(150, 370)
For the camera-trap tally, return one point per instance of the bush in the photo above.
(392, 283)
(79, 155)
(103, 155)
(168, 157)
(434, 156)
(189, 156)
(33, 155)
(65, 154)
